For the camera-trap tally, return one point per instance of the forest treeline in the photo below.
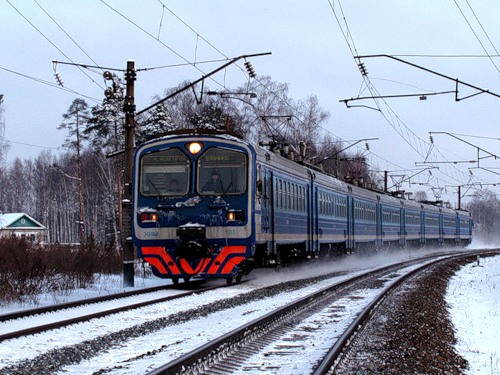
(48, 186)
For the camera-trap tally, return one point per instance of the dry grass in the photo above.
(28, 269)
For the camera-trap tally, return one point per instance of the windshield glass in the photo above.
(164, 173)
(222, 171)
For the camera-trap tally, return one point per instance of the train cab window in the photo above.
(222, 171)
(165, 173)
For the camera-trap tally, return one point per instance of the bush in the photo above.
(28, 269)
(22, 269)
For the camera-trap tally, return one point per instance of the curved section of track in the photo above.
(244, 348)
(223, 324)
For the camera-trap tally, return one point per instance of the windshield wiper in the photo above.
(154, 187)
(229, 187)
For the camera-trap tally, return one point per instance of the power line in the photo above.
(476, 136)
(202, 38)
(51, 84)
(190, 28)
(412, 139)
(65, 33)
(31, 145)
(48, 40)
(158, 40)
(477, 37)
(482, 28)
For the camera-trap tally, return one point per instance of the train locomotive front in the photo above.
(192, 206)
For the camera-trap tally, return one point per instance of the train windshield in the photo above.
(165, 173)
(222, 171)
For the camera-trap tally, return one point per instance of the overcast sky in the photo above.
(312, 45)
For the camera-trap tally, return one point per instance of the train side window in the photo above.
(164, 173)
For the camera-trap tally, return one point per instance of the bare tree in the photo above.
(310, 118)
(485, 209)
(420, 196)
(4, 146)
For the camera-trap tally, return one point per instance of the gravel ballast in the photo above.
(411, 332)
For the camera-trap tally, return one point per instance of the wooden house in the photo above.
(21, 225)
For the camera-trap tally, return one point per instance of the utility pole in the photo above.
(129, 109)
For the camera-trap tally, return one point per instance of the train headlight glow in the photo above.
(234, 215)
(194, 147)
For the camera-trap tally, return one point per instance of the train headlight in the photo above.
(235, 215)
(194, 147)
(149, 216)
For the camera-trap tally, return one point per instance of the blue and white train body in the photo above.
(267, 210)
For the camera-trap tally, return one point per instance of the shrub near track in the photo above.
(28, 269)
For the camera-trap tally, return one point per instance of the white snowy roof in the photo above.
(7, 220)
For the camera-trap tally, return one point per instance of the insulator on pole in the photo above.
(250, 70)
(59, 79)
(362, 69)
(108, 76)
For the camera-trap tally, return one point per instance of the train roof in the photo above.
(180, 133)
(304, 171)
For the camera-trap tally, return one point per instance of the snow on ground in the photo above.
(473, 296)
(474, 299)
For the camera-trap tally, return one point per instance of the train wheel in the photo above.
(229, 281)
(175, 281)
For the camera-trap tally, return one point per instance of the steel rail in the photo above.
(195, 361)
(331, 360)
(99, 314)
(83, 302)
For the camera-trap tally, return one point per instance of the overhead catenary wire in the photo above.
(158, 40)
(475, 34)
(65, 32)
(50, 41)
(413, 140)
(32, 145)
(348, 37)
(198, 36)
(51, 84)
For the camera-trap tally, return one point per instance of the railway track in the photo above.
(51, 317)
(276, 342)
(142, 339)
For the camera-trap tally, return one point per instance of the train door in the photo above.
(267, 206)
(422, 227)
(312, 213)
(402, 227)
(441, 228)
(378, 213)
(314, 246)
(350, 242)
